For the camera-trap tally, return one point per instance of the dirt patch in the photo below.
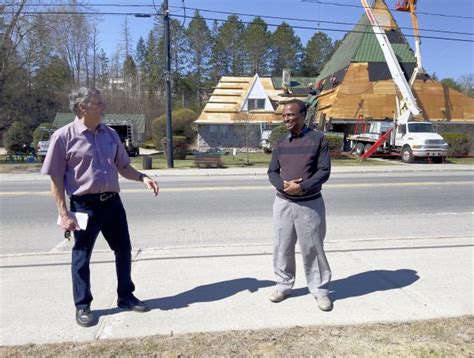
(447, 337)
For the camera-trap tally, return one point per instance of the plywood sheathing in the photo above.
(358, 96)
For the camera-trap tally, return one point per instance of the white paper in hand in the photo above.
(81, 219)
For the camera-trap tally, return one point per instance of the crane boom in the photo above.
(408, 101)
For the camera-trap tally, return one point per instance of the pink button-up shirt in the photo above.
(88, 162)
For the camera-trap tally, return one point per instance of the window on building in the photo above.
(223, 131)
(256, 103)
(213, 131)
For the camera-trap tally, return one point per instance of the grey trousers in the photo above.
(304, 222)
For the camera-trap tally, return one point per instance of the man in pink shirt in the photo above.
(84, 159)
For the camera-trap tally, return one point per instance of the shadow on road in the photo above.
(365, 283)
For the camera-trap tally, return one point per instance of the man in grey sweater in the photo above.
(300, 165)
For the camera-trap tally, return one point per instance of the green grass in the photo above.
(256, 160)
(465, 160)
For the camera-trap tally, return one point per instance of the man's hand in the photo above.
(151, 184)
(293, 187)
(68, 223)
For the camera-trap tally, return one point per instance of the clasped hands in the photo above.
(293, 187)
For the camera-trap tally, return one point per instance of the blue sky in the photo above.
(445, 58)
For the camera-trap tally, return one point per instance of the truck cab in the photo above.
(418, 139)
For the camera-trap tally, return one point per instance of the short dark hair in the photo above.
(301, 105)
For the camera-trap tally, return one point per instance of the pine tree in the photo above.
(140, 53)
(152, 67)
(316, 54)
(230, 45)
(215, 64)
(257, 47)
(286, 50)
(199, 37)
(130, 73)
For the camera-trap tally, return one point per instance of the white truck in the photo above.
(43, 143)
(125, 129)
(128, 135)
(412, 139)
(404, 136)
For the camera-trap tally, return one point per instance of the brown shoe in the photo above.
(324, 303)
(278, 296)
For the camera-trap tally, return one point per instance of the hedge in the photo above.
(17, 138)
(182, 123)
(180, 147)
(335, 143)
(276, 134)
(459, 144)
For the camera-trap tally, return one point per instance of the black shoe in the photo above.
(84, 317)
(132, 304)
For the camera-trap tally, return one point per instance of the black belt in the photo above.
(94, 197)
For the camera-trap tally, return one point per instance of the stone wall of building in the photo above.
(228, 136)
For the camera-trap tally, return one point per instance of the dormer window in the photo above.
(256, 103)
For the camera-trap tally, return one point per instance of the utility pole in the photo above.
(169, 130)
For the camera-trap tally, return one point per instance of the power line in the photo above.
(340, 30)
(269, 16)
(319, 21)
(141, 14)
(309, 1)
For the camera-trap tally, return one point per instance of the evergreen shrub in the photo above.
(182, 124)
(459, 144)
(17, 138)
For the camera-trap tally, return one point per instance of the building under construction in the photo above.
(356, 84)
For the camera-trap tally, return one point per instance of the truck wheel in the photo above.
(359, 149)
(41, 158)
(367, 147)
(407, 155)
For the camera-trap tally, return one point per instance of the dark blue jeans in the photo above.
(109, 218)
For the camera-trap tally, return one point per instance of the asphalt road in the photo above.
(237, 210)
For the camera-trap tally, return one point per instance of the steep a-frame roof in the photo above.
(227, 103)
(360, 45)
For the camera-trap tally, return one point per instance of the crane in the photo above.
(408, 140)
(406, 106)
(410, 6)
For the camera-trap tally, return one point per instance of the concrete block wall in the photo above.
(228, 136)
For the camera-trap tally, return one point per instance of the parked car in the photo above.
(43, 143)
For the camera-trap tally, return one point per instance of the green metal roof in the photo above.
(296, 82)
(62, 119)
(361, 45)
(369, 51)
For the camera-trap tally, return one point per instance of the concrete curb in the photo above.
(399, 168)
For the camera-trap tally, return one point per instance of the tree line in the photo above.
(43, 56)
